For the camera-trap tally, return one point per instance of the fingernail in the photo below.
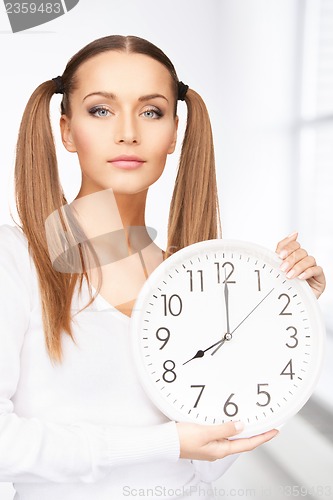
(284, 266)
(292, 234)
(290, 274)
(283, 254)
(239, 426)
(302, 276)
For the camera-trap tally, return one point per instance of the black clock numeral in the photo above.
(200, 393)
(288, 370)
(293, 337)
(218, 271)
(230, 273)
(230, 408)
(283, 313)
(191, 279)
(267, 395)
(259, 285)
(227, 278)
(173, 306)
(160, 337)
(173, 376)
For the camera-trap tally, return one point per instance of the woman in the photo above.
(75, 423)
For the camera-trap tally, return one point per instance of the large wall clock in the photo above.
(219, 333)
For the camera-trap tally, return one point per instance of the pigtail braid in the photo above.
(38, 193)
(194, 211)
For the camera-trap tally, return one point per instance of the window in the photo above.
(315, 176)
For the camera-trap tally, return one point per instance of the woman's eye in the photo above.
(99, 111)
(152, 113)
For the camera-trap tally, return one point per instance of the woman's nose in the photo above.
(126, 130)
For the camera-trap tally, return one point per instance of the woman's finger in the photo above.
(223, 431)
(248, 444)
(313, 272)
(294, 258)
(285, 241)
(289, 249)
(293, 270)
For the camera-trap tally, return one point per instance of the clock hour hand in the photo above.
(200, 353)
(227, 336)
(239, 324)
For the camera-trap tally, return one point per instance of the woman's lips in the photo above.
(127, 162)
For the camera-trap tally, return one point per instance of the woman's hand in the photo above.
(210, 442)
(297, 263)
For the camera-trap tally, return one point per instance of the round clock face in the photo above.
(219, 333)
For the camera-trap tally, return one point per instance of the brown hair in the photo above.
(194, 210)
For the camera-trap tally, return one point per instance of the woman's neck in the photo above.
(105, 211)
(132, 208)
(107, 217)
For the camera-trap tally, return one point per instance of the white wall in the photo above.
(254, 121)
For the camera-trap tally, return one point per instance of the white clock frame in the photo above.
(178, 267)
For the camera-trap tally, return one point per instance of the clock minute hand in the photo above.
(226, 300)
(239, 324)
(262, 300)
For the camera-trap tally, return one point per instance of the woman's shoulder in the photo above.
(12, 232)
(12, 238)
(14, 252)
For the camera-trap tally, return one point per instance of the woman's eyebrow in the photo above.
(151, 96)
(108, 95)
(113, 97)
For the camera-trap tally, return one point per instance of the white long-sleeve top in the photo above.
(83, 429)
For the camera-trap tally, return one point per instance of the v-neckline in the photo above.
(103, 304)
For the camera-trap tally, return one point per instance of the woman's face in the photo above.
(122, 123)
